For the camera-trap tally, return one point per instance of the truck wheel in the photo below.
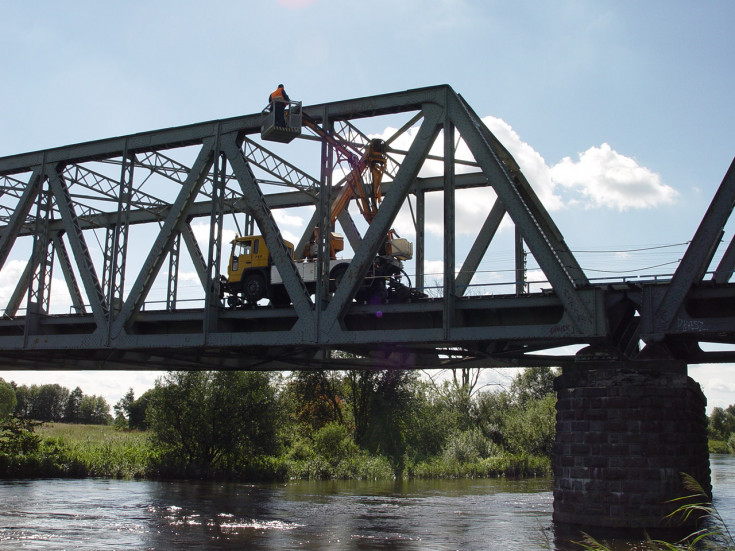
(254, 288)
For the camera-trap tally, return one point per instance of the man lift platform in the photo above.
(281, 119)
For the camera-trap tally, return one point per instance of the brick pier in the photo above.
(624, 434)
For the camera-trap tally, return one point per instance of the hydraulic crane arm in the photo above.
(353, 186)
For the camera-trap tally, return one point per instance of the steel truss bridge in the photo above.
(118, 219)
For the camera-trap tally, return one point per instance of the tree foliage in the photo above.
(316, 400)
(7, 399)
(130, 413)
(208, 419)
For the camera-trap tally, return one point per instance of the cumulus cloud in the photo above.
(532, 164)
(12, 272)
(602, 177)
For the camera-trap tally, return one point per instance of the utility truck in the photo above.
(251, 274)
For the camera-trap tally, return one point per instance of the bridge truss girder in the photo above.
(148, 192)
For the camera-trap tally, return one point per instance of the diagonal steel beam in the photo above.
(699, 253)
(80, 250)
(541, 242)
(18, 218)
(258, 209)
(479, 247)
(725, 268)
(157, 255)
(66, 268)
(378, 229)
(197, 258)
(21, 288)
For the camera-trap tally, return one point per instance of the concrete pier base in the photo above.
(624, 434)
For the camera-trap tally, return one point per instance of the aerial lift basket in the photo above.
(283, 134)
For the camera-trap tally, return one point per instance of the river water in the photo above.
(494, 514)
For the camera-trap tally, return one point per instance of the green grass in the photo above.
(503, 465)
(99, 450)
(103, 451)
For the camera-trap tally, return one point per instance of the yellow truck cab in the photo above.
(251, 275)
(249, 271)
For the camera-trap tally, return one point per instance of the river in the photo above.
(495, 514)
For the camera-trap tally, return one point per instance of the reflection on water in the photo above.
(426, 515)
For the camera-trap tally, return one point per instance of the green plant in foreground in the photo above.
(714, 535)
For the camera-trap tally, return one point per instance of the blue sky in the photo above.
(620, 110)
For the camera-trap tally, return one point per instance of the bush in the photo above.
(502, 465)
(718, 446)
(334, 443)
(531, 430)
(468, 446)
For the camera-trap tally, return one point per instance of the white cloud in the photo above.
(605, 178)
(11, 274)
(601, 178)
(716, 382)
(201, 233)
(532, 164)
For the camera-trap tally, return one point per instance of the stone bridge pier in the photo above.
(625, 431)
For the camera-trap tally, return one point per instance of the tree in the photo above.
(131, 413)
(50, 403)
(122, 409)
(94, 410)
(531, 429)
(722, 423)
(137, 412)
(73, 406)
(380, 401)
(315, 397)
(8, 400)
(26, 396)
(533, 383)
(211, 420)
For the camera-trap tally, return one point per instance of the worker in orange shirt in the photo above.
(278, 99)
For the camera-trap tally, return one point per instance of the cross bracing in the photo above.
(119, 246)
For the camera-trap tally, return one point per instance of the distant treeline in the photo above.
(53, 402)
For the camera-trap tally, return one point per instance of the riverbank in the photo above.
(78, 451)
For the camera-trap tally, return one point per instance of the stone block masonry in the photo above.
(625, 432)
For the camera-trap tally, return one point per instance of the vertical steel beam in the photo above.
(211, 296)
(114, 280)
(449, 228)
(520, 256)
(420, 239)
(173, 274)
(40, 289)
(325, 220)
